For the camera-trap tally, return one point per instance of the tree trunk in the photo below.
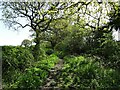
(37, 52)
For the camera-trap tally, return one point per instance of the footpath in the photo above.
(50, 83)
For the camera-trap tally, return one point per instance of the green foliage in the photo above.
(42, 54)
(108, 50)
(15, 61)
(75, 42)
(82, 72)
(46, 46)
(34, 76)
(114, 15)
(58, 34)
(49, 51)
(61, 54)
(47, 63)
(41, 50)
(16, 57)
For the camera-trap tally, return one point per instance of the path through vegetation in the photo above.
(51, 83)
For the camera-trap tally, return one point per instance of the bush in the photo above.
(35, 76)
(61, 54)
(32, 78)
(108, 51)
(76, 42)
(85, 72)
(49, 51)
(47, 63)
(15, 60)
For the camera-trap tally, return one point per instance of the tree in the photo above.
(26, 43)
(114, 16)
(58, 31)
(38, 16)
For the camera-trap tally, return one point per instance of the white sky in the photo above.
(11, 37)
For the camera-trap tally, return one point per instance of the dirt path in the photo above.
(51, 80)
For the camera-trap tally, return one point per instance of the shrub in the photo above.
(35, 76)
(32, 78)
(49, 51)
(108, 51)
(75, 43)
(15, 60)
(85, 72)
(47, 63)
(61, 54)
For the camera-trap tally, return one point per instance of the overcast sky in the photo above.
(11, 37)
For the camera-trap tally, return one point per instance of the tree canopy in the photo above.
(74, 46)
